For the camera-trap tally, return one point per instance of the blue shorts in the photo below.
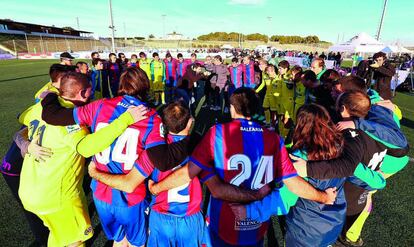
(170, 230)
(216, 241)
(118, 222)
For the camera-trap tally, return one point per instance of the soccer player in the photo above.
(175, 217)
(235, 160)
(144, 63)
(181, 66)
(122, 214)
(96, 79)
(56, 72)
(82, 67)
(299, 90)
(13, 160)
(236, 72)
(133, 62)
(52, 187)
(285, 98)
(270, 105)
(248, 73)
(170, 76)
(114, 73)
(122, 61)
(95, 55)
(158, 78)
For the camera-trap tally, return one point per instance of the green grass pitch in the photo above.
(390, 224)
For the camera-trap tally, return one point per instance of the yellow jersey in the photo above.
(145, 65)
(46, 186)
(47, 87)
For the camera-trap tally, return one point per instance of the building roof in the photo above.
(6, 21)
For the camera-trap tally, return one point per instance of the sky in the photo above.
(331, 20)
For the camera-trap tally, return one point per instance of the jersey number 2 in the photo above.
(175, 196)
(128, 141)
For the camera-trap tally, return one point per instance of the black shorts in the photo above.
(356, 198)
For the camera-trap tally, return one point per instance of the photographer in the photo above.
(383, 73)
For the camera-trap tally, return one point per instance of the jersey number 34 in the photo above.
(128, 141)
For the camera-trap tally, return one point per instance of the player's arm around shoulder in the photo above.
(179, 177)
(124, 182)
(104, 137)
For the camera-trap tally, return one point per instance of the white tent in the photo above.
(261, 48)
(227, 46)
(360, 43)
(396, 49)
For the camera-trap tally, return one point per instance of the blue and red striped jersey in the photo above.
(131, 64)
(249, 75)
(123, 153)
(236, 75)
(181, 68)
(114, 72)
(171, 72)
(244, 154)
(181, 201)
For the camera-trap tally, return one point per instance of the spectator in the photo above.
(383, 73)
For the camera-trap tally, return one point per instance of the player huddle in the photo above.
(325, 145)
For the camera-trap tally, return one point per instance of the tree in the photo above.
(151, 36)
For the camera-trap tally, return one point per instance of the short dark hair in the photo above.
(56, 71)
(245, 101)
(379, 54)
(120, 54)
(112, 54)
(155, 54)
(134, 55)
(80, 63)
(71, 82)
(94, 53)
(193, 55)
(284, 64)
(142, 54)
(330, 76)
(218, 57)
(96, 61)
(134, 82)
(309, 75)
(352, 83)
(168, 55)
(179, 55)
(175, 117)
(297, 69)
(234, 60)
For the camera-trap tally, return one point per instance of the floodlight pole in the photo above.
(112, 26)
(163, 28)
(270, 25)
(382, 19)
(27, 43)
(77, 22)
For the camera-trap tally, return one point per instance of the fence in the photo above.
(47, 45)
(52, 45)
